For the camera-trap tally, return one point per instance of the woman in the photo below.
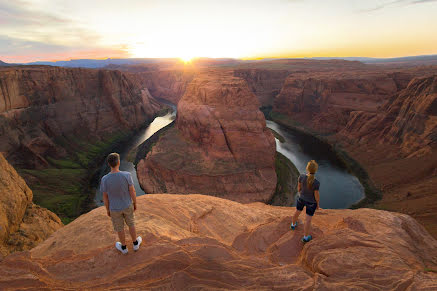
(308, 187)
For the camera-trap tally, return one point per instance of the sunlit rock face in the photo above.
(323, 101)
(219, 146)
(41, 106)
(203, 242)
(266, 84)
(22, 224)
(408, 119)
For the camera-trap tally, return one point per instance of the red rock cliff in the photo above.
(323, 101)
(39, 105)
(200, 242)
(22, 224)
(220, 145)
(266, 84)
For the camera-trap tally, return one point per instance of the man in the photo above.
(120, 201)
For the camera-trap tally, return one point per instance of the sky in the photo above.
(37, 30)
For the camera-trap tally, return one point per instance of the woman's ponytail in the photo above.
(312, 167)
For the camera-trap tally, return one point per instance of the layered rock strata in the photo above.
(202, 242)
(22, 224)
(219, 146)
(42, 106)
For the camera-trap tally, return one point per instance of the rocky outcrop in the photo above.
(202, 242)
(219, 146)
(266, 84)
(42, 106)
(324, 101)
(409, 119)
(22, 224)
(166, 84)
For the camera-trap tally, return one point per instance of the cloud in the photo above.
(29, 33)
(15, 50)
(22, 20)
(396, 3)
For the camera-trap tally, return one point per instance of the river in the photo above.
(126, 163)
(339, 189)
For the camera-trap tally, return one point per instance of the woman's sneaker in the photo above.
(306, 239)
(137, 246)
(293, 226)
(118, 246)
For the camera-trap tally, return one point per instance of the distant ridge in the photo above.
(423, 58)
(95, 63)
(100, 63)
(3, 64)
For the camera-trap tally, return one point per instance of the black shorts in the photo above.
(310, 207)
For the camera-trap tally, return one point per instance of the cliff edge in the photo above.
(197, 241)
(22, 224)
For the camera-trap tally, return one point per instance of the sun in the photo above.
(186, 59)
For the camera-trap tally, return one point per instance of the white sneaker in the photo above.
(139, 240)
(118, 247)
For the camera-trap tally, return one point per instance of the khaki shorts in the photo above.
(119, 217)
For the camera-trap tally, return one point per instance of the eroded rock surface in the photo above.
(197, 241)
(42, 109)
(219, 146)
(22, 224)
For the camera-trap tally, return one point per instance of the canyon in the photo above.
(208, 150)
(381, 116)
(41, 105)
(56, 124)
(351, 105)
(204, 242)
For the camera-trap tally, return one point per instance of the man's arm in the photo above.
(133, 195)
(317, 196)
(106, 201)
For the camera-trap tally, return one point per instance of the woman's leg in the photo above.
(296, 216)
(307, 227)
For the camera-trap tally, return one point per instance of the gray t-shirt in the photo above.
(307, 194)
(117, 187)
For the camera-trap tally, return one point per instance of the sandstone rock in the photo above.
(202, 242)
(22, 224)
(324, 101)
(169, 84)
(41, 105)
(220, 145)
(266, 84)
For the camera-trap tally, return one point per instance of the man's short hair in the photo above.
(113, 159)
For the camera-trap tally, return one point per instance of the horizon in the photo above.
(52, 30)
(317, 58)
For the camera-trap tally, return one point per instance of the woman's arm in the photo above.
(299, 186)
(317, 196)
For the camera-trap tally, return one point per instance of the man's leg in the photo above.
(133, 233)
(122, 237)
(307, 227)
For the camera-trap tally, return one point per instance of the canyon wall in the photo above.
(219, 146)
(266, 84)
(323, 101)
(42, 106)
(201, 242)
(166, 84)
(22, 224)
(408, 119)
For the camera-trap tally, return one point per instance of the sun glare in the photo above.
(186, 59)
